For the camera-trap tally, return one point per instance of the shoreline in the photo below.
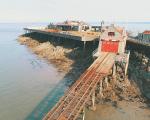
(68, 56)
(70, 60)
(47, 51)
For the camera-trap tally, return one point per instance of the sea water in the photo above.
(27, 83)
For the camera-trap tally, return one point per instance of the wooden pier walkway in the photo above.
(74, 35)
(74, 100)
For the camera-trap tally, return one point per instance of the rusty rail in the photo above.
(71, 104)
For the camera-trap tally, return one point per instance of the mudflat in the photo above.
(124, 111)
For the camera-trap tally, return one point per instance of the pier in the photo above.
(139, 42)
(110, 58)
(73, 102)
(73, 35)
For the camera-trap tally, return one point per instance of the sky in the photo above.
(86, 10)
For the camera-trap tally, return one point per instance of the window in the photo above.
(111, 33)
(75, 28)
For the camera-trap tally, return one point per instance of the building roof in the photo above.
(121, 33)
(146, 32)
(113, 28)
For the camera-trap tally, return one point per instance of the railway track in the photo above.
(72, 103)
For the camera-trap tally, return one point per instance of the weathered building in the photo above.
(96, 28)
(113, 39)
(73, 26)
(145, 36)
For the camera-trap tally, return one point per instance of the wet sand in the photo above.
(124, 111)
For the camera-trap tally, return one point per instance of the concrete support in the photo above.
(39, 36)
(93, 101)
(84, 46)
(148, 66)
(127, 63)
(101, 88)
(83, 114)
(114, 70)
(25, 31)
(94, 43)
(106, 81)
(114, 73)
(58, 39)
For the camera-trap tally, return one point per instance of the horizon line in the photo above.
(1, 22)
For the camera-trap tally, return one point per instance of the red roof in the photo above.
(146, 32)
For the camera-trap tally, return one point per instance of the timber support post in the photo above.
(83, 114)
(148, 65)
(101, 88)
(93, 107)
(84, 46)
(25, 31)
(114, 72)
(58, 38)
(126, 68)
(94, 42)
(127, 63)
(106, 81)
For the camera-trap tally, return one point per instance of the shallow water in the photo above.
(25, 80)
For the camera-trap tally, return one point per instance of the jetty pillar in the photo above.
(59, 40)
(114, 70)
(83, 114)
(114, 73)
(94, 42)
(84, 45)
(25, 31)
(106, 81)
(101, 88)
(148, 66)
(127, 63)
(93, 101)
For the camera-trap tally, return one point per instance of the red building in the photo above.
(112, 39)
